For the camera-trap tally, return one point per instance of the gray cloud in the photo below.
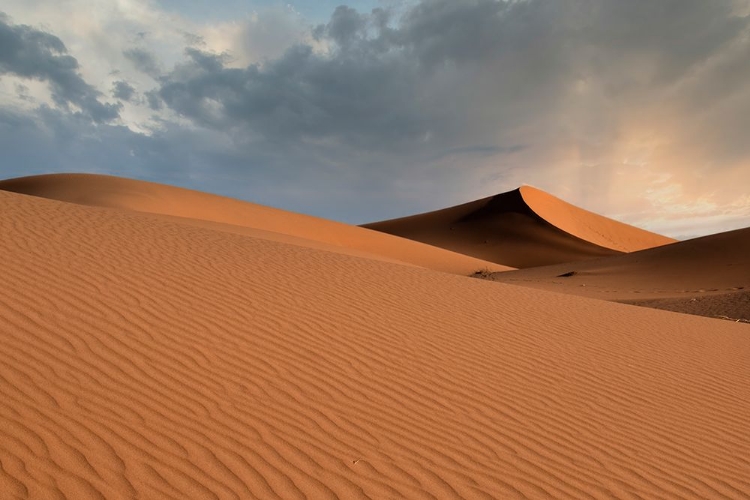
(51, 140)
(345, 26)
(302, 96)
(144, 61)
(450, 75)
(545, 45)
(153, 100)
(30, 53)
(447, 101)
(123, 90)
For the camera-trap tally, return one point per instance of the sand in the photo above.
(522, 228)
(150, 357)
(227, 214)
(708, 276)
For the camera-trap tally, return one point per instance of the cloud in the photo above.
(582, 74)
(53, 140)
(451, 64)
(299, 97)
(624, 107)
(153, 100)
(144, 61)
(29, 53)
(123, 90)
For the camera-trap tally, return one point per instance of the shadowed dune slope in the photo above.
(150, 358)
(227, 214)
(522, 228)
(709, 276)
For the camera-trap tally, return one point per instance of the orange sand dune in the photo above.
(151, 358)
(217, 212)
(709, 276)
(522, 228)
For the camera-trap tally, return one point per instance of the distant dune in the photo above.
(218, 212)
(522, 228)
(709, 276)
(163, 357)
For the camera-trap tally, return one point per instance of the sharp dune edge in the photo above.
(589, 226)
(155, 358)
(227, 214)
(522, 228)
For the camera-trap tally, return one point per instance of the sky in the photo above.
(374, 109)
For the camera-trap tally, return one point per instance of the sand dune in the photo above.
(522, 228)
(152, 358)
(709, 276)
(227, 214)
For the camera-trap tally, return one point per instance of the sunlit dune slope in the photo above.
(709, 276)
(242, 217)
(522, 228)
(150, 358)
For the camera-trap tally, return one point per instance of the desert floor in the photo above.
(164, 343)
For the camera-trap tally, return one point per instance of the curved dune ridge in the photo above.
(227, 214)
(709, 276)
(589, 226)
(142, 357)
(522, 228)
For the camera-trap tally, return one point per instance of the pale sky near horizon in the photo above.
(374, 109)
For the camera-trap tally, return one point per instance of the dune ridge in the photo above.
(227, 214)
(522, 228)
(144, 357)
(590, 226)
(708, 276)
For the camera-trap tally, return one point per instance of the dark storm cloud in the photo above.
(366, 101)
(678, 33)
(33, 54)
(345, 26)
(451, 70)
(123, 90)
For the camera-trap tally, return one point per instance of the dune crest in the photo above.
(590, 226)
(522, 228)
(228, 214)
(148, 358)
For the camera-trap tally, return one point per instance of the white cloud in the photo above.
(98, 34)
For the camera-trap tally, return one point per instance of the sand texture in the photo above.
(522, 228)
(150, 357)
(709, 276)
(227, 214)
